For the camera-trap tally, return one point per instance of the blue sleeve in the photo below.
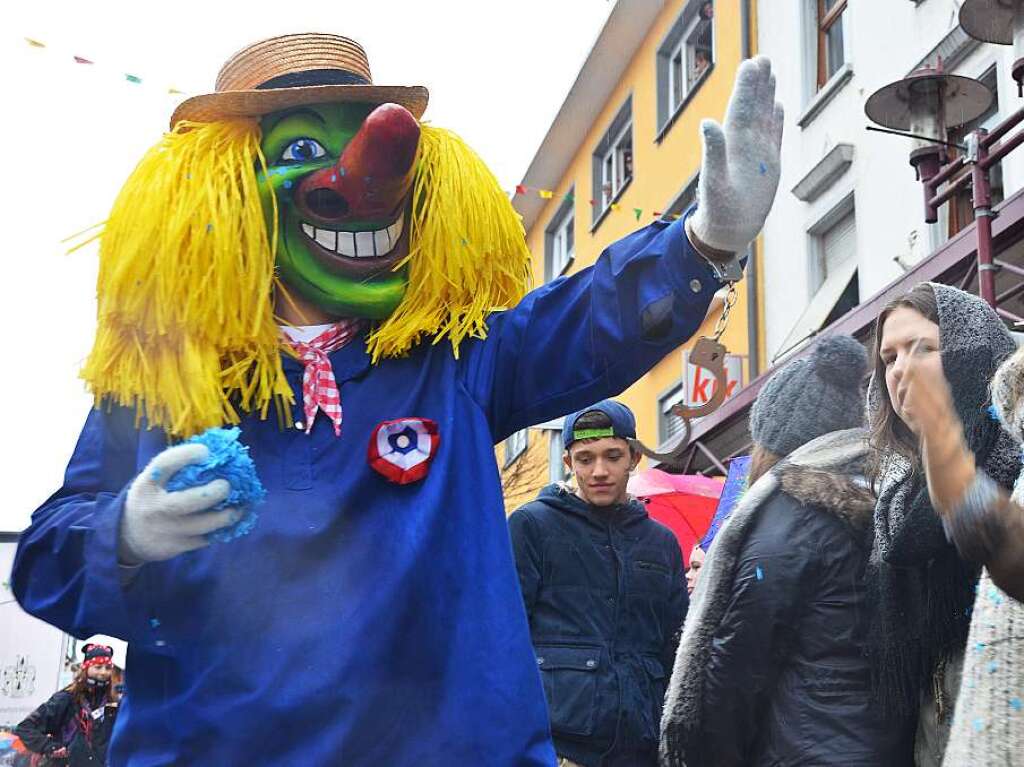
(525, 546)
(678, 606)
(583, 338)
(65, 570)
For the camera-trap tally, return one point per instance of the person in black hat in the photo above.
(605, 594)
(73, 727)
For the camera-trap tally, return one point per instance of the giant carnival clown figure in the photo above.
(302, 257)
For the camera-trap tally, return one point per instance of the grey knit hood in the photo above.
(973, 342)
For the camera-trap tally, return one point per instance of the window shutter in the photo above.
(839, 244)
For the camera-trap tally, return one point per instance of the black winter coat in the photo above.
(53, 725)
(788, 682)
(606, 596)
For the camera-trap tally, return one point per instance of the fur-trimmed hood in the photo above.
(848, 496)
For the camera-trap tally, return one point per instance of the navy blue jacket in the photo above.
(361, 622)
(606, 595)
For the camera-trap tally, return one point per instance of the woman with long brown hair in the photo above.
(921, 589)
(73, 727)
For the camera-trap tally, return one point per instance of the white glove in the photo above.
(740, 168)
(158, 524)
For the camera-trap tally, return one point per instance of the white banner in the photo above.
(30, 652)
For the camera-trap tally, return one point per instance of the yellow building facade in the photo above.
(623, 150)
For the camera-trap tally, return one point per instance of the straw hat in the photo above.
(293, 70)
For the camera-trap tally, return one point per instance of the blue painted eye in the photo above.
(302, 150)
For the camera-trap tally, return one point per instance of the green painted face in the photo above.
(342, 175)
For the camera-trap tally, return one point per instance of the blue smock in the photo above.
(362, 622)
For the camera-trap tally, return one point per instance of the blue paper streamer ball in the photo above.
(229, 459)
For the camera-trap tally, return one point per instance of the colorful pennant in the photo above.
(128, 77)
(520, 189)
(569, 197)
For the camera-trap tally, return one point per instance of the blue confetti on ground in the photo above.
(993, 413)
(229, 459)
(759, 573)
(1015, 704)
(993, 666)
(979, 724)
(764, 169)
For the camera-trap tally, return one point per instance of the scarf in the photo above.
(319, 388)
(921, 588)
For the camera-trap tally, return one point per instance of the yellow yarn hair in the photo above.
(186, 329)
(467, 250)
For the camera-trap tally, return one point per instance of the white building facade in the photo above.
(849, 215)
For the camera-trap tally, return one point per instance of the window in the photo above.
(684, 58)
(557, 471)
(670, 427)
(835, 289)
(617, 166)
(684, 199)
(560, 239)
(830, 39)
(961, 208)
(838, 247)
(613, 161)
(515, 446)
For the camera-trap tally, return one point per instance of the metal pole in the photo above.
(977, 152)
(753, 274)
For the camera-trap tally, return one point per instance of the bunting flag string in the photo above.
(75, 58)
(522, 190)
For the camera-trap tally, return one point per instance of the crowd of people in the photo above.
(860, 605)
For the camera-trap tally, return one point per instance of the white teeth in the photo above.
(395, 230)
(364, 244)
(346, 244)
(356, 244)
(327, 238)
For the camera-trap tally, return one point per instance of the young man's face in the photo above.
(602, 469)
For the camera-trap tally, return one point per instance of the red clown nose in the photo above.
(372, 178)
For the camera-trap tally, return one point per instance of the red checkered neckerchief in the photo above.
(319, 389)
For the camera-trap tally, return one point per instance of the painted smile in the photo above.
(356, 245)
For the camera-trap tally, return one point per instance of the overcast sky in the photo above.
(497, 74)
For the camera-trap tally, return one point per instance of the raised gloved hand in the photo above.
(740, 169)
(158, 524)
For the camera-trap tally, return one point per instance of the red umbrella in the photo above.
(684, 503)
